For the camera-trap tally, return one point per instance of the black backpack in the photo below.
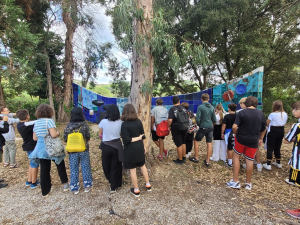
(182, 119)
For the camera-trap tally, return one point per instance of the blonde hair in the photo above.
(242, 100)
(220, 108)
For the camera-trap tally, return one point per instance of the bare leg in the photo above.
(161, 146)
(249, 170)
(157, 143)
(145, 173)
(229, 154)
(29, 174)
(236, 166)
(209, 151)
(179, 152)
(34, 173)
(196, 148)
(134, 178)
(257, 156)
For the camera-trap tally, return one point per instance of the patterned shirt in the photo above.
(42, 126)
(294, 135)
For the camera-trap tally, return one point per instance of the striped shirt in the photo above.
(40, 127)
(294, 133)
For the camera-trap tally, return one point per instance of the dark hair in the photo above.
(205, 97)
(1, 108)
(296, 105)
(277, 106)
(185, 105)
(129, 113)
(232, 107)
(159, 101)
(22, 114)
(77, 115)
(44, 111)
(251, 101)
(175, 100)
(112, 113)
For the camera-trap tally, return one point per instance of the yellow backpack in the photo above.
(75, 142)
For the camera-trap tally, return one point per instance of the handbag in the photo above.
(75, 142)
(54, 146)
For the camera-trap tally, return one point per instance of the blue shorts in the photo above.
(34, 163)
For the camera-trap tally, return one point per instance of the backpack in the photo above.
(193, 128)
(75, 142)
(182, 119)
(162, 129)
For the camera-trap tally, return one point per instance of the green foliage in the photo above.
(120, 88)
(103, 90)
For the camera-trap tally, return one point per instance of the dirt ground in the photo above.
(187, 194)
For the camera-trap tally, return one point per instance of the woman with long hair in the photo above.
(133, 136)
(77, 124)
(111, 146)
(275, 122)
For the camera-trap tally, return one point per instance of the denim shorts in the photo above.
(207, 132)
(34, 163)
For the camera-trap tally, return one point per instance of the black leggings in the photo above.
(274, 141)
(45, 165)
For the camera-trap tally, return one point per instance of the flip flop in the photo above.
(14, 166)
(5, 164)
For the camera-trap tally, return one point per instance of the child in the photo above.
(10, 148)
(227, 123)
(77, 123)
(294, 136)
(133, 136)
(219, 145)
(276, 121)
(25, 129)
(158, 114)
(190, 136)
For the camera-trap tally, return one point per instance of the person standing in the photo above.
(3, 130)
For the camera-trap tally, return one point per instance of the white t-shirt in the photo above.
(276, 119)
(218, 119)
(111, 129)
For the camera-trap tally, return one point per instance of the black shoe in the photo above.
(228, 165)
(134, 193)
(206, 164)
(184, 159)
(193, 159)
(1, 180)
(3, 185)
(178, 161)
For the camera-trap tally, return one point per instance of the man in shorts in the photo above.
(205, 118)
(178, 136)
(249, 129)
(158, 114)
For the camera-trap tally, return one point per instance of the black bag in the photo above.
(183, 122)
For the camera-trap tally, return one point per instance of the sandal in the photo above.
(14, 166)
(193, 159)
(5, 164)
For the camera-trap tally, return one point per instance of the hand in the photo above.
(169, 128)
(260, 142)
(141, 136)
(5, 118)
(222, 136)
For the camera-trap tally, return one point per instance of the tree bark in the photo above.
(142, 72)
(2, 99)
(68, 11)
(49, 81)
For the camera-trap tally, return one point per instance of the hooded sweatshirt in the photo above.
(205, 115)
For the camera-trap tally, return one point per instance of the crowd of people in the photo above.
(228, 135)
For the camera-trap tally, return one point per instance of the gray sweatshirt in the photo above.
(10, 136)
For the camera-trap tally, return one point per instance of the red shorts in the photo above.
(248, 152)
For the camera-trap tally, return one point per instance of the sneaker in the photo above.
(277, 164)
(75, 192)
(148, 188)
(248, 186)
(206, 164)
(294, 213)
(193, 159)
(228, 165)
(244, 165)
(233, 184)
(166, 152)
(136, 194)
(66, 187)
(190, 153)
(160, 157)
(259, 169)
(266, 166)
(184, 159)
(3, 185)
(112, 191)
(28, 183)
(88, 189)
(289, 182)
(178, 161)
(34, 185)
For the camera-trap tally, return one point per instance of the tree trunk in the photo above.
(68, 10)
(2, 100)
(49, 82)
(142, 73)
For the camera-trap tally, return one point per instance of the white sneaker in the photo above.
(266, 166)
(233, 184)
(259, 169)
(248, 186)
(187, 156)
(190, 153)
(244, 165)
(88, 189)
(291, 183)
(277, 164)
(77, 191)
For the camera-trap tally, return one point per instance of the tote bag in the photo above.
(54, 146)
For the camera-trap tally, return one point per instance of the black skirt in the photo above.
(217, 132)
